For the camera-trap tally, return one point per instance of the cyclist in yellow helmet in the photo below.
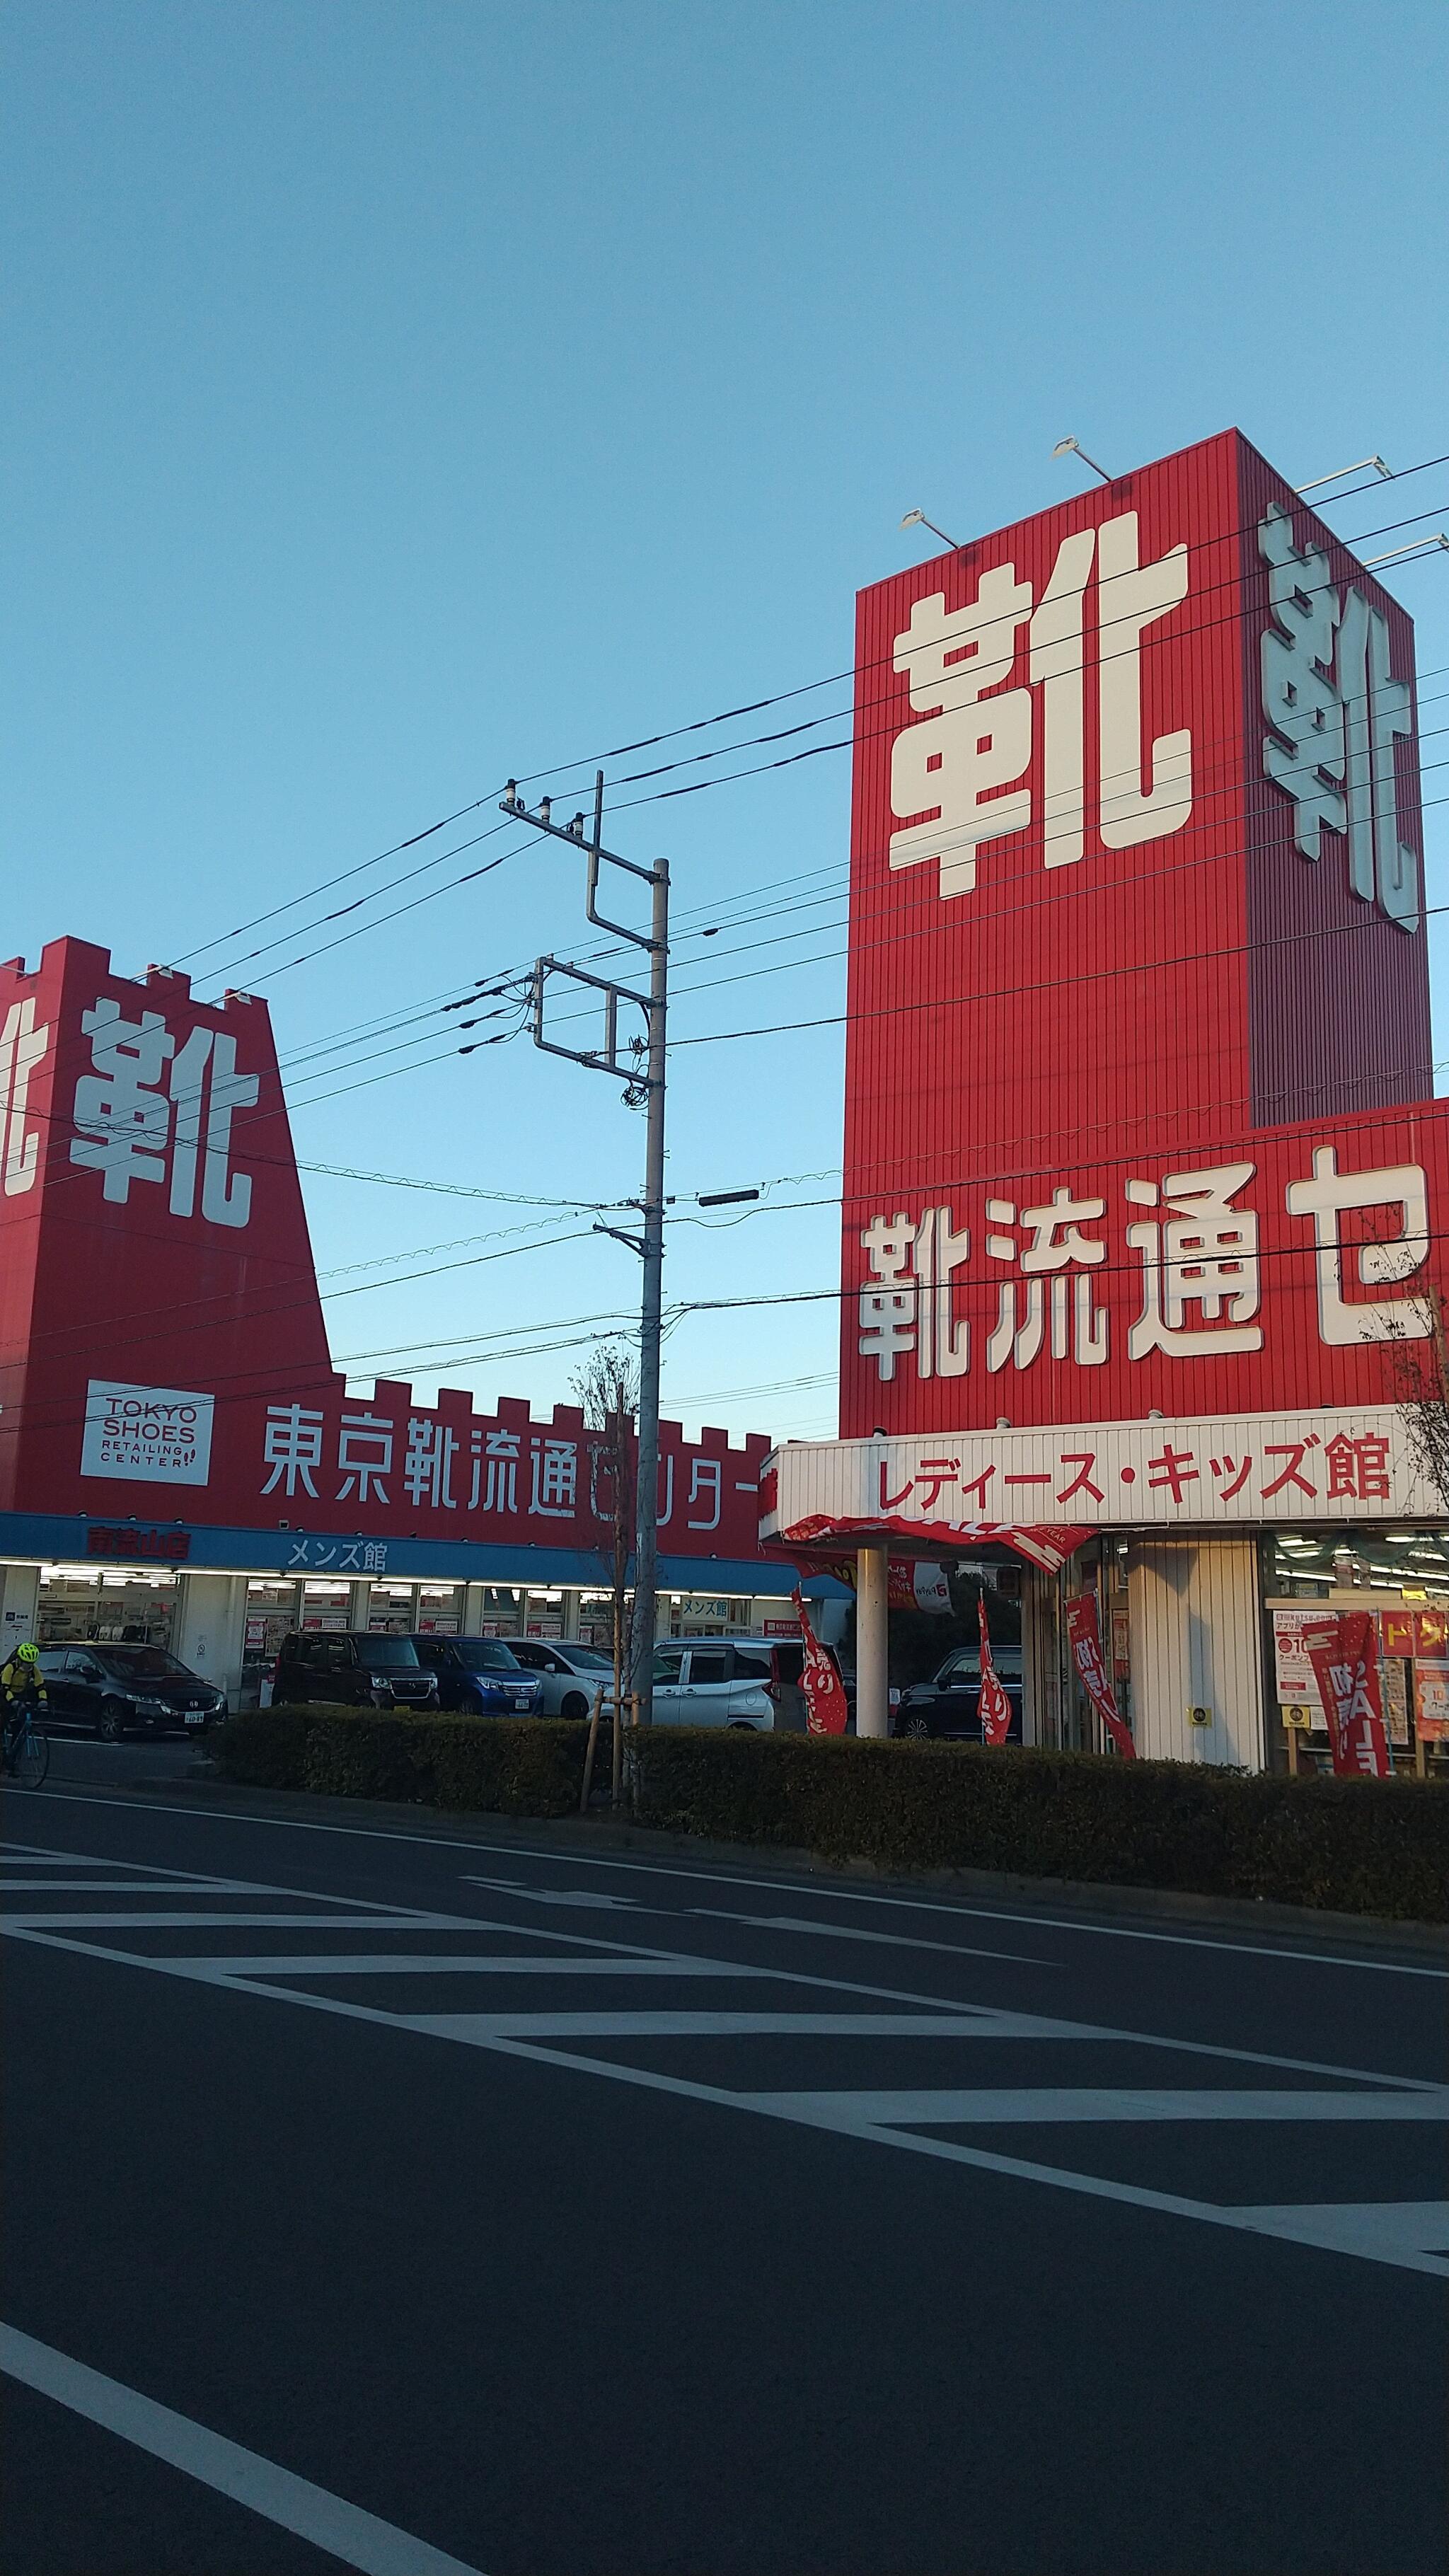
(22, 1683)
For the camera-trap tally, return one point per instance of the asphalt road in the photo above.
(414, 2202)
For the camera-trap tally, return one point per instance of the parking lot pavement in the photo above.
(626, 2214)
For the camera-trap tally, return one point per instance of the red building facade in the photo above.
(1139, 1126)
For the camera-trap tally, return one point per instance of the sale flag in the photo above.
(1086, 1642)
(995, 1706)
(825, 1709)
(1344, 1653)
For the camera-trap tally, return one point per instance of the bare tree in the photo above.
(1421, 1373)
(607, 1387)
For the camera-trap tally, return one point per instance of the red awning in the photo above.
(1043, 1544)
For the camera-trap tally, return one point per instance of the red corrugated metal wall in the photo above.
(1134, 1013)
(1338, 995)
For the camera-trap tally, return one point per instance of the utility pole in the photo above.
(643, 1082)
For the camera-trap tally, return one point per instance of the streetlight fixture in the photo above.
(1074, 447)
(1383, 471)
(918, 519)
(1420, 546)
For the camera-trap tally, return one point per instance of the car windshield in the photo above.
(152, 1663)
(487, 1655)
(387, 1650)
(587, 1659)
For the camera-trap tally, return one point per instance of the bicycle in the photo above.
(26, 1751)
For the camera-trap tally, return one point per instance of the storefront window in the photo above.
(116, 1608)
(596, 1620)
(390, 1609)
(545, 1615)
(502, 1611)
(325, 1605)
(271, 1613)
(440, 1609)
(1401, 1577)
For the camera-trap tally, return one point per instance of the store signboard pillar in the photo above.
(872, 1671)
(19, 1604)
(210, 1629)
(1197, 1671)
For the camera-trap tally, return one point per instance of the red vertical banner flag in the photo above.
(825, 1709)
(1086, 1641)
(995, 1706)
(1344, 1653)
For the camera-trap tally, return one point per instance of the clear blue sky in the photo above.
(400, 396)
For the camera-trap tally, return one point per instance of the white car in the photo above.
(719, 1681)
(569, 1673)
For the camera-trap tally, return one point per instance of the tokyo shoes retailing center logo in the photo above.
(151, 1435)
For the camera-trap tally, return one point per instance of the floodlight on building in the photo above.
(1385, 472)
(1074, 447)
(1399, 554)
(918, 519)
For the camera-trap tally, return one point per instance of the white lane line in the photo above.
(590, 1897)
(734, 1878)
(581, 1896)
(1379, 2228)
(358, 2539)
(481, 2029)
(108, 1887)
(856, 1932)
(925, 1905)
(183, 1920)
(1034, 2104)
(414, 1963)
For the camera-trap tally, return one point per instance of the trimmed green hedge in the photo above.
(1361, 1847)
(498, 1765)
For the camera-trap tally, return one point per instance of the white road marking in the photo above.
(735, 1878)
(1378, 2228)
(481, 2029)
(482, 1963)
(354, 2537)
(857, 2115)
(559, 1896)
(158, 1922)
(1031, 2104)
(856, 1932)
(101, 1886)
(985, 2020)
(582, 1896)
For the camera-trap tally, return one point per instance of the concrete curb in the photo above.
(600, 1835)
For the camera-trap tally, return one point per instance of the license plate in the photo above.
(521, 1703)
(196, 1717)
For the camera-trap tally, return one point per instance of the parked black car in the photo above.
(115, 1689)
(481, 1674)
(950, 1702)
(353, 1669)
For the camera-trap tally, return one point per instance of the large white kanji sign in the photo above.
(1336, 713)
(22, 1051)
(964, 766)
(1171, 1264)
(150, 1110)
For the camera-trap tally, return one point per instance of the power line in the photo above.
(853, 672)
(923, 901)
